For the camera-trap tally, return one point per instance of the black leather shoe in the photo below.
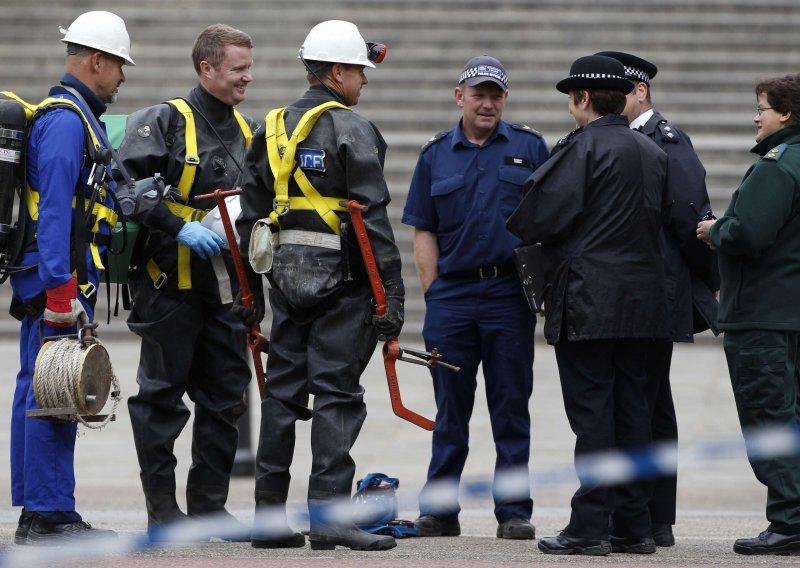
(23, 526)
(662, 535)
(769, 543)
(44, 533)
(632, 545)
(428, 525)
(565, 544)
(516, 528)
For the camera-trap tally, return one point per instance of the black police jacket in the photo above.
(690, 267)
(597, 206)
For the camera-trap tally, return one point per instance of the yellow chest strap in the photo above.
(281, 152)
(192, 159)
(185, 184)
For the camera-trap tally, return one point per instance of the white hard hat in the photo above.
(335, 41)
(102, 31)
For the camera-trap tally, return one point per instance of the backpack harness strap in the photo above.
(281, 151)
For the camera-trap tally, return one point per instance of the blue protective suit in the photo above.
(42, 453)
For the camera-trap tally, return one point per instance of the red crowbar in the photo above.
(392, 351)
(257, 343)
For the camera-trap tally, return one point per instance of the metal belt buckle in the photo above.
(88, 290)
(275, 206)
(493, 275)
(160, 281)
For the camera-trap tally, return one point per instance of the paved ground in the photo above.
(719, 499)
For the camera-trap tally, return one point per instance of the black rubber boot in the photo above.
(207, 503)
(326, 532)
(271, 528)
(162, 510)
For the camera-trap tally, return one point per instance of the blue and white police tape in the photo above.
(605, 468)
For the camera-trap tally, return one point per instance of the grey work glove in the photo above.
(389, 324)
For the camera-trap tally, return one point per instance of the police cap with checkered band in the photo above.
(482, 69)
(636, 68)
(596, 72)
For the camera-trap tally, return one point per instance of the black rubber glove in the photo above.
(250, 316)
(390, 324)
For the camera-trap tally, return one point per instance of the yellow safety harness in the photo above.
(180, 208)
(281, 151)
(100, 212)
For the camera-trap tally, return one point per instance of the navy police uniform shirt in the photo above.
(464, 193)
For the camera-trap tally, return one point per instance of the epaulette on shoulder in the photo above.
(776, 153)
(434, 139)
(668, 133)
(528, 129)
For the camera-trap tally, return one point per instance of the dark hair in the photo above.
(210, 44)
(783, 95)
(607, 102)
(317, 70)
(76, 48)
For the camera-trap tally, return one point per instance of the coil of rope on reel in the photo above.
(73, 379)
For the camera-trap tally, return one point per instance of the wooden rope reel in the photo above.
(73, 378)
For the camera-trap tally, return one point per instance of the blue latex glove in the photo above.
(202, 241)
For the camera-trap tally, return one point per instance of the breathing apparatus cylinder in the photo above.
(12, 143)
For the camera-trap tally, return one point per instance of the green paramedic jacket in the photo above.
(759, 241)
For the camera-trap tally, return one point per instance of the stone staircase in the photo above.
(710, 54)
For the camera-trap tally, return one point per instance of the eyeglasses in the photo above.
(759, 110)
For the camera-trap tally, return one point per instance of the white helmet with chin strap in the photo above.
(102, 31)
(335, 41)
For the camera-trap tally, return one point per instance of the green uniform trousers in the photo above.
(764, 372)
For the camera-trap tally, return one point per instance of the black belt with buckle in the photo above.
(494, 271)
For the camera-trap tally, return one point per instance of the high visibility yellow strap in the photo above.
(325, 207)
(276, 136)
(246, 132)
(154, 271)
(184, 253)
(281, 153)
(185, 212)
(192, 159)
(96, 256)
(100, 211)
(29, 108)
(305, 204)
(101, 214)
